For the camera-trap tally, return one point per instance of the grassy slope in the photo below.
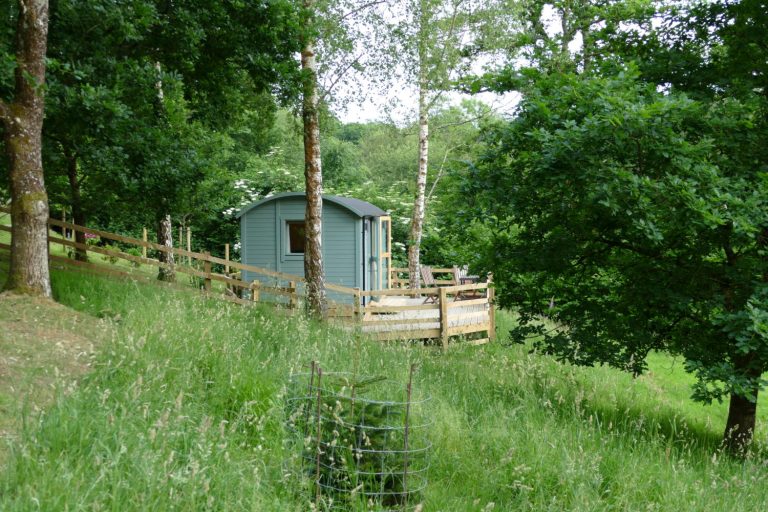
(182, 412)
(43, 347)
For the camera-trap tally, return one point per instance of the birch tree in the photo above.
(437, 42)
(313, 174)
(22, 119)
(337, 43)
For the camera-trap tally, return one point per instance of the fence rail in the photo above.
(398, 313)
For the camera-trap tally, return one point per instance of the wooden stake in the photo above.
(226, 257)
(293, 300)
(443, 298)
(491, 308)
(255, 290)
(189, 245)
(319, 440)
(207, 270)
(64, 231)
(144, 239)
(405, 437)
(358, 305)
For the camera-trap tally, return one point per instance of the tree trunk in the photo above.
(78, 215)
(313, 177)
(740, 426)
(165, 237)
(742, 411)
(23, 121)
(417, 221)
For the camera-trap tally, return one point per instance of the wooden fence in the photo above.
(398, 313)
(430, 313)
(199, 265)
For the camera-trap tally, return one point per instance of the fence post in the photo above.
(189, 245)
(144, 239)
(207, 270)
(64, 232)
(255, 292)
(358, 306)
(293, 299)
(226, 257)
(491, 309)
(443, 300)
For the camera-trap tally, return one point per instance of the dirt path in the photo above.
(44, 347)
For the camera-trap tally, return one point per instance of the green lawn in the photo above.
(183, 411)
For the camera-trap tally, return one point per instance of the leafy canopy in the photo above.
(635, 221)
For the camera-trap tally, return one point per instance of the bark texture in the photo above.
(742, 412)
(165, 237)
(740, 426)
(78, 214)
(23, 122)
(313, 178)
(417, 220)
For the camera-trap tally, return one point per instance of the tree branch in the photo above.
(339, 75)
(440, 172)
(362, 8)
(629, 247)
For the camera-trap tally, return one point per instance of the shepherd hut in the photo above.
(356, 239)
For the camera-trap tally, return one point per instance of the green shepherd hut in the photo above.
(356, 240)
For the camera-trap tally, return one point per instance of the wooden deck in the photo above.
(429, 313)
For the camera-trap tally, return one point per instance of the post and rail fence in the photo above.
(397, 313)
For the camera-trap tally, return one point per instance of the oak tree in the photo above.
(22, 117)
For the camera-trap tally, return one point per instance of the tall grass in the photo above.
(184, 408)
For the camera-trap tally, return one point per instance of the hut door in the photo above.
(385, 252)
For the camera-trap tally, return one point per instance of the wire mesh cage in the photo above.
(355, 450)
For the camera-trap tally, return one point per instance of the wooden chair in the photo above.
(460, 276)
(428, 280)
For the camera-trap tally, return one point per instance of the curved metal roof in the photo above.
(357, 206)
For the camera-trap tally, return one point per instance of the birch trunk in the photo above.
(165, 237)
(23, 122)
(417, 220)
(313, 178)
(164, 225)
(78, 214)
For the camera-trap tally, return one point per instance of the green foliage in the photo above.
(638, 225)
(361, 459)
(134, 251)
(108, 257)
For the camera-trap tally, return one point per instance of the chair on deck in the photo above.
(428, 280)
(460, 276)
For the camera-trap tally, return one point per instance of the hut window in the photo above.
(295, 236)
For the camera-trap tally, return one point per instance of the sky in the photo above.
(361, 101)
(377, 106)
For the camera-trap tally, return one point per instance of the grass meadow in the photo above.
(183, 410)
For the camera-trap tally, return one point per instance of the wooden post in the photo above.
(64, 231)
(293, 299)
(491, 309)
(255, 292)
(181, 237)
(226, 257)
(144, 239)
(358, 306)
(189, 245)
(207, 270)
(443, 298)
